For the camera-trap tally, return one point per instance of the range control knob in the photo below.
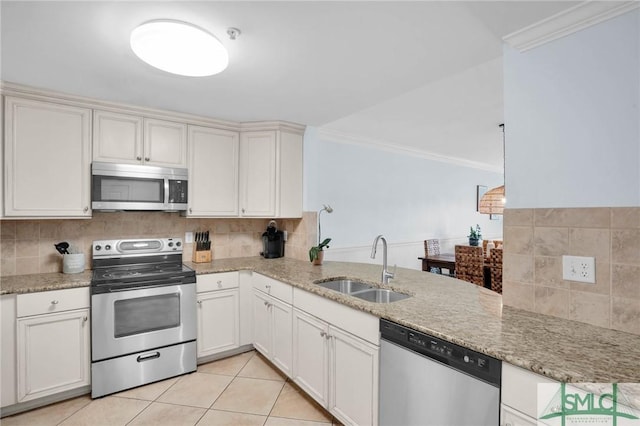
(178, 244)
(170, 244)
(98, 248)
(107, 247)
(466, 358)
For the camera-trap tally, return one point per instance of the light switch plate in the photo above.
(579, 268)
(188, 237)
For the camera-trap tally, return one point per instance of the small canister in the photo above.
(73, 263)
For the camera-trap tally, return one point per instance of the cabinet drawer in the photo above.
(219, 281)
(272, 287)
(47, 302)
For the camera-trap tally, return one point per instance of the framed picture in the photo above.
(480, 190)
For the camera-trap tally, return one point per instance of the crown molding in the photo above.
(567, 22)
(345, 138)
(285, 126)
(35, 93)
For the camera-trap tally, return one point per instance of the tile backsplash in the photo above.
(536, 239)
(26, 246)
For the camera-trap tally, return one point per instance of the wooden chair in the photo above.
(495, 261)
(432, 248)
(470, 264)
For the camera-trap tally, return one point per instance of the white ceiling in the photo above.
(422, 75)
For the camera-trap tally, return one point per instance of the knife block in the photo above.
(201, 256)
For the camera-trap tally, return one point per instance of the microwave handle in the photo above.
(166, 191)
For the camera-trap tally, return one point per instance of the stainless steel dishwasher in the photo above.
(428, 381)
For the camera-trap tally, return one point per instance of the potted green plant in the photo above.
(316, 254)
(474, 235)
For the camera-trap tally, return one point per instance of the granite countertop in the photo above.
(444, 307)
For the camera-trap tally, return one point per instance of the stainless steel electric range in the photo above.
(143, 317)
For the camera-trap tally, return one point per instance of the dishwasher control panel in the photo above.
(455, 356)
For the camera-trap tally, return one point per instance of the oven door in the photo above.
(134, 320)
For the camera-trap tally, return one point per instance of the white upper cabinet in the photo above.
(270, 174)
(165, 143)
(213, 172)
(47, 159)
(258, 152)
(117, 138)
(131, 139)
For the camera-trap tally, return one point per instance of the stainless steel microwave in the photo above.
(138, 187)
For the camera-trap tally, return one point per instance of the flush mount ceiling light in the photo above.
(179, 48)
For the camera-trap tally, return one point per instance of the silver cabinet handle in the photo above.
(323, 334)
(85, 319)
(86, 209)
(266, 303)
(219, 284)
(54, 302)
(138, 158)
(243, 210)
(200, 302)
(146, 158)
(190, 210)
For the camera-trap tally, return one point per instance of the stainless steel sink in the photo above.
(363, 291)
(380, 295)
(345, 286)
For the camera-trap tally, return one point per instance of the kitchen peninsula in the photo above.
(453, 310)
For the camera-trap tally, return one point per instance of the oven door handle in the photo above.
(143, 287)
(148, 357)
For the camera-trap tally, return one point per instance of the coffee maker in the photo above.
(272, 242)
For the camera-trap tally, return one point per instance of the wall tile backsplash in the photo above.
(536, 239)
(26, 246)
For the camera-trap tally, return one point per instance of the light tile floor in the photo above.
(241, 390)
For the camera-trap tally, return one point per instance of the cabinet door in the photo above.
(258, 174)
(511, 417)
(53, 353)
(310, 356)
(354, 379)
(8, 344)
(290, 176)
(213, 172)
(165, 143)
(218, 322)
(47, 159)
(117, 138)
(262, 323)
(281, 335)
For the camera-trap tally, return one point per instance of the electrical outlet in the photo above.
(188, 237)
(578, 268)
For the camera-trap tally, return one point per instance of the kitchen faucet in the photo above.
(386, 275)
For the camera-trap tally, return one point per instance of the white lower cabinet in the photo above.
(53, 345)
(218, 313)
(354, 379)
(335, 367)
(272, 329)
(519, 395)
(272, 320)
(8, 344)
(511, 417)
(311, 356)
(218, 327)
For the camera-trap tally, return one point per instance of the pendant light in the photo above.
(492, 202)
